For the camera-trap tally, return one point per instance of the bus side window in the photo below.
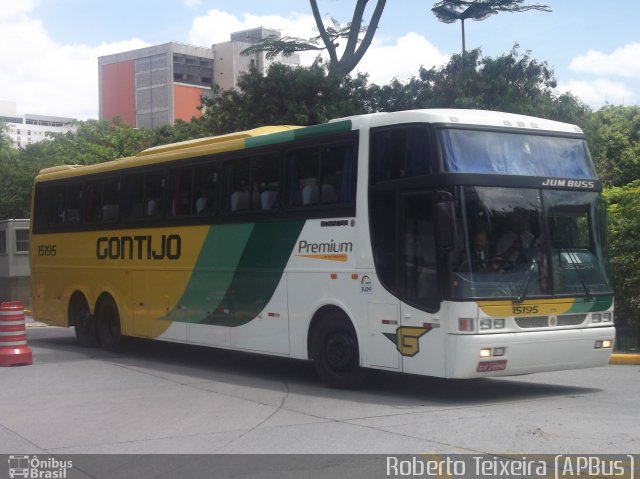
(265, 178)
(238, 181)
(399, 152)
(154, 184)
(180, 182)
(303, 169)
(321, 175)
(133, 203)
(92, 198)
(72, 204)
(110, 209)
(206, 189)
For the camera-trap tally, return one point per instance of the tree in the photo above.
(450, 11)
(92, 142)
(16, 180)
(614, 140)
(294, 96)
(179, 131)
(623, 210)
(328, 37)
(513, 82)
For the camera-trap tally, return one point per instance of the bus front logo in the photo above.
(407, 338)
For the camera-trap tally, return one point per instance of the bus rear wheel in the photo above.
(108, 320)
(84, 324)
(336, 354)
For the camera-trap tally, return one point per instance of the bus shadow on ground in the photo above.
(247, 369)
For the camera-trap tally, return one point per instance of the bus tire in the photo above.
(335, 352)
(83, 322)
(108, 320)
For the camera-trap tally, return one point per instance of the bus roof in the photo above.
(467, 117)
(173, 151)
(276, 134)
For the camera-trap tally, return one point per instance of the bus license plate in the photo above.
(489, 366)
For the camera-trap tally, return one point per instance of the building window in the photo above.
(3, 242)
(22, 241)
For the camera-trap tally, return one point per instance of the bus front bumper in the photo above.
(509, 354)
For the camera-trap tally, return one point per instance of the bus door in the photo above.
(420, 335)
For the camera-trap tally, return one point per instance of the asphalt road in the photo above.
(168, 398)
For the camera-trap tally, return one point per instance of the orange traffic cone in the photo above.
(13, 335)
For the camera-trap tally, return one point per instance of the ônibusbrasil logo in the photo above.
(36, 468)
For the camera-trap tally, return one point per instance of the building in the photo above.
(229, 64)
(14, 248)
(154, 86)
(14, 261)
(26, 129)
(157, 85)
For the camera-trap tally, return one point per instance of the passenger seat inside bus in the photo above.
(310, 195)
(268, 199)
(239, 200)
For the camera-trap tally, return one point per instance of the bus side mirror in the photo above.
(446, 227)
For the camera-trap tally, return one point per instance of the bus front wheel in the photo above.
(108, 319)
(336, 354)
(83, 323)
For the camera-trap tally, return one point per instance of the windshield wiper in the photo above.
(525, 285)
(575, 261)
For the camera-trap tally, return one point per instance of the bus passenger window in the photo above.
(399, 152)
(133, 204)
(154, 193)
(321, 175)
(265, 176)
(206, 189)
(110, 210)
(180, 195)
(238, 180)
(73, 204)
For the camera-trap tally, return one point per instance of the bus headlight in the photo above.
(596, 317)
(603, 344)
(485, 324)
(498, 323)
(607, 317)
(485, 353)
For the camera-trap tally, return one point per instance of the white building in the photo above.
(229, 64)
(26, 129)
(14, 248)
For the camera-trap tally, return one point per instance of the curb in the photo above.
(625, 359)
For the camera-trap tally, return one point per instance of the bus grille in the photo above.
(526, 322)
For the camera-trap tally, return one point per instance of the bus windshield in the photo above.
(520, 243)
(508, 153)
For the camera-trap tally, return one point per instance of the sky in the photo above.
(50, 48)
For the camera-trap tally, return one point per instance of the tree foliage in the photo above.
(492, 6)
(294, 96)
(614, 137)
(340, 64)
(623, 209)
(513, 82)
(93, 142)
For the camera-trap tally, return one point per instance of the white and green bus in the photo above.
(450, 243)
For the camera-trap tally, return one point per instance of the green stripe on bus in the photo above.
(324, 129)
(213, 272)
(599, 303)
(271, 139)
(258, 273)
